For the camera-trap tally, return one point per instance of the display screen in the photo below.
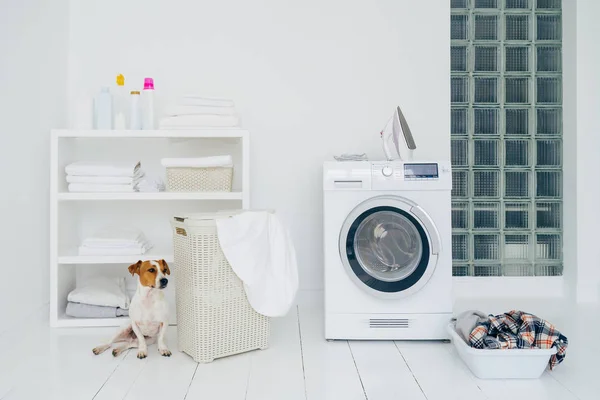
(421, 170)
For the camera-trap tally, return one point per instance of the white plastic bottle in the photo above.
(103, 110)
(120, 106)
(148, 104)
(135, 117)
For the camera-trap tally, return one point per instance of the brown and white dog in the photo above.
(148, 312)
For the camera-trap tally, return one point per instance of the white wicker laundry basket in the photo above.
(214, 318)
(210, 179)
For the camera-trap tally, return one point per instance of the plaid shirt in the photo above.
(519, 330)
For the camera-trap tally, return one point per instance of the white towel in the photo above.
(262, 255)
(119, 180)
(111, 235)
(200, 121)
(101, 292)
(114, 251)
(195, 100)
(83, 168)
(177, 110)
(202, 162)
(98, 188)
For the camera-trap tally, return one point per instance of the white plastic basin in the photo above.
(502, 364)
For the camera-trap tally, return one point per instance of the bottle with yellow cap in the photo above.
(120, 99)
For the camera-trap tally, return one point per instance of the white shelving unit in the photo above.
(73, 216)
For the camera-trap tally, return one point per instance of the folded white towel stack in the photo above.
(193, 111)
(111, 241)
(109, 177)
(86, 168)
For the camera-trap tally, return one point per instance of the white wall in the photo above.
(588, 145)
(33, 39)
(311, 79)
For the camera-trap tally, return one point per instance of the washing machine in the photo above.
(387, 247)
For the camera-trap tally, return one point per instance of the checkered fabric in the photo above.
(519, 330)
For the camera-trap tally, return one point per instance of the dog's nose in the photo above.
(164, 281)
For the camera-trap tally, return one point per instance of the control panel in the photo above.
(405, 171)
(421, 171)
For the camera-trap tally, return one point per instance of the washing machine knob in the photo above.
(387, 171)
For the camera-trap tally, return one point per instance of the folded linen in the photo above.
(100, 188)
(200, 121)
(114, 251)
(201, 162)
(80, 310)
(119, 180)
(101, 292)
(196, 100)
(111, 236)
(177, 110)
(93, 168)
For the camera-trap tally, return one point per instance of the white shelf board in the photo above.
(71, 256)
(67, 196)
(64, 321)
(212, 133)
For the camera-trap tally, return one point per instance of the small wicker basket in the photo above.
(209, 179)
(214, 318)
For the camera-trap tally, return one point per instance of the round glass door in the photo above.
(387, 249)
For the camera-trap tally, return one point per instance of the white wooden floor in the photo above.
(37, 362)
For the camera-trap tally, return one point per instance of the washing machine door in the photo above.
(389, 246)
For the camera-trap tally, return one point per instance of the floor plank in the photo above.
(277, 372)
(119, 383)
(58, 366)
(441, 375)
(225, 378)
(329, 368)
(384, 372)
(164, 377)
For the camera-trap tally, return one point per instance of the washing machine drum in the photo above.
(387, 249)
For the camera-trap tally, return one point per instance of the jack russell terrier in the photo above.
(148, 312)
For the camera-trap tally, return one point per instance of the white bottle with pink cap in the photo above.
(148, 104)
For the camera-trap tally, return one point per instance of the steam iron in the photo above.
(398, 132)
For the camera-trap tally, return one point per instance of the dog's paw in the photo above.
(165, 352)
(99, 349)
(142, 354)
(116, 352)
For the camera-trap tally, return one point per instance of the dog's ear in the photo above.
(135, 268)
(165, 266)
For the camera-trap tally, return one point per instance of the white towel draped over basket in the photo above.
(261, 253)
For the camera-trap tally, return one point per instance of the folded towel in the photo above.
(113, 235)
(80, 310)
(177, 110)
(115, 251)
(194, 100)
(127, 180)
(101, 292)
(83, 168)
(351, 157)
(200, 121)
(98, 188)
(202, 162)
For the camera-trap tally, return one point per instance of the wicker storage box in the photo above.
(210, 179)
(214, 318)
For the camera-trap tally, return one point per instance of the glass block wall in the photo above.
(506, 94)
